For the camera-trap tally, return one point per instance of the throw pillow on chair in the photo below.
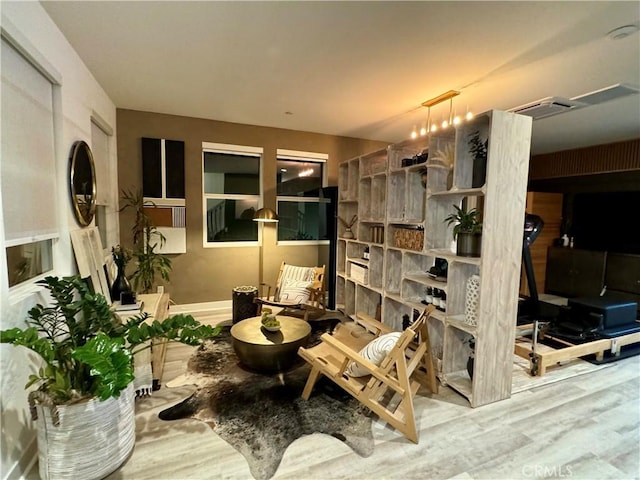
(295, 291)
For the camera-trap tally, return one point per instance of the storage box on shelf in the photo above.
(358, 271)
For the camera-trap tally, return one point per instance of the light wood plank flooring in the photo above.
(586, 427)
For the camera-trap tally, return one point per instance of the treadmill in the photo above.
(529, 307)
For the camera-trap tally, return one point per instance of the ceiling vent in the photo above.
(547, 107)
(613, 92)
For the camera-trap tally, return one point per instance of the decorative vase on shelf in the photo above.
(120, 285)
(472, 300)
(348, 233)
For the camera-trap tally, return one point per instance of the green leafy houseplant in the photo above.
(87, 350)
(467, 231)
(466, 221)
(146, 238)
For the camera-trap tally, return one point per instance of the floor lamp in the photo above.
(263, 215)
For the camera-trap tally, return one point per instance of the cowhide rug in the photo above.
(259, 414)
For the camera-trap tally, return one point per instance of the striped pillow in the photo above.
(295, 291)
(374, 351)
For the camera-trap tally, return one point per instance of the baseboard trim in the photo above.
(202, 307)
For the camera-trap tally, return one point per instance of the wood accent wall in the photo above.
(547, 206)
(598, 159)
(607, 167)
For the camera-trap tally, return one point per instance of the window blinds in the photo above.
(27, 162)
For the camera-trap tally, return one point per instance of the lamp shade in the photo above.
(265, 215)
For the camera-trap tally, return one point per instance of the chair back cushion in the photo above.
(374, 351)
(295, 291)
(292, 272)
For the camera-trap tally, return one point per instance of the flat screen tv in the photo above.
(606, 221)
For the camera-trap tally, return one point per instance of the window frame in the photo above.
(301, 156)
(15, 39)
(232, 150)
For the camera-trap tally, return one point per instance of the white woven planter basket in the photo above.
(93, 439)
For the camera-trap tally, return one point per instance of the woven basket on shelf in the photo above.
(91, 441)
(409, 238)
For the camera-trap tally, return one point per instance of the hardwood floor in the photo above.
(585, 427)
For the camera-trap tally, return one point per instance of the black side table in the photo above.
(243, 303)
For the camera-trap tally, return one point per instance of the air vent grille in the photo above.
(550, 106)
(547, 107)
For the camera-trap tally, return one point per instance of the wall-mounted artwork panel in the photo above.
(163, 185)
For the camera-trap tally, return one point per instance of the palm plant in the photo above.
(146, 239)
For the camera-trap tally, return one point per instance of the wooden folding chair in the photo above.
(388, 388)
(313, 303)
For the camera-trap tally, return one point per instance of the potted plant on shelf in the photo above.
(83, 401)
(467, 231)
(479, 151)
(146, 238)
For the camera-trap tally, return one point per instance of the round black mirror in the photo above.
(82, 178)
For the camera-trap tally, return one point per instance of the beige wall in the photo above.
(209, 274)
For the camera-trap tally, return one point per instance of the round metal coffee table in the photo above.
(262, 350)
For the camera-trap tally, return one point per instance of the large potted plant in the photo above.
(83, 397)
(146, 238)
(467, 231)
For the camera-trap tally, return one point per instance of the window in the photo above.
(302, 211)
(106, 207)
(28, 169)
(231, 193)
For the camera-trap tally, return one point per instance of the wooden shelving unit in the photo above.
(388, 192)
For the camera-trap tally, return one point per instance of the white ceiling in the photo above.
(359, 68)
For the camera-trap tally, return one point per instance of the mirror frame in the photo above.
(84, 215)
